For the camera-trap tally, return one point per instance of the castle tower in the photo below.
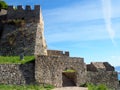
(23, 32)
(40, 48)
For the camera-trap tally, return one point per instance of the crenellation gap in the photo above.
(19, 7)
(28, 8)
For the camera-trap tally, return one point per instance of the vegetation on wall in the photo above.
(16, 22)
(69, 70)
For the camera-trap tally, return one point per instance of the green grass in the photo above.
(15, 59)
(69, 70)
(25, 87)
(97, 87)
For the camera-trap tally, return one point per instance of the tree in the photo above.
(3, 5)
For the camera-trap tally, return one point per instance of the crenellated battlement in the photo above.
(28, 14)
(22, 31)
(57, 53)
(27, 8)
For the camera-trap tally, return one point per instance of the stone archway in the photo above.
(69, 78)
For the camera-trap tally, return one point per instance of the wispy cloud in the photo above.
(107, 16)
(74, 13)
(79, 20)
(77, 34)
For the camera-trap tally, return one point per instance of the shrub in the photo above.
(97, 87)
(3, 5)
(84, 85)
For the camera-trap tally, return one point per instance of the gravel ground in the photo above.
(71, 88)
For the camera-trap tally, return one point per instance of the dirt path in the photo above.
(71, 88)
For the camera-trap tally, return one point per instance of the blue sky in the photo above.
(86, 28)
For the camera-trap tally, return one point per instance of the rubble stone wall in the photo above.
(102, 73)
(19, 74)
(108, 78)
(21, 35)
(48, 69)
(16, 41)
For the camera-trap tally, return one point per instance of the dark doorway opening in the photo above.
(68, 78)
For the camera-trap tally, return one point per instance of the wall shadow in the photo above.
(28, 72)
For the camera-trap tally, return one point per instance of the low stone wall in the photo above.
(17, 74)
(57, 53)
(99, 66)
(48, 69)
(109, 78)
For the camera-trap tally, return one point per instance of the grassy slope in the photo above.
(15, 59)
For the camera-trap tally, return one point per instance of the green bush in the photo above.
(97, 87)
(3, 5)
(84, 85)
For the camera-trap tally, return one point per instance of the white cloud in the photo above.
(68, 21)
(73, 13)
(107, 16)
(77, 35)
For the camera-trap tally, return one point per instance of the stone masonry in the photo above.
(49, 69)
(18, 74)
(102, 73)
(22, 32)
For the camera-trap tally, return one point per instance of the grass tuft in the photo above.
(69, 70)
(97, 87)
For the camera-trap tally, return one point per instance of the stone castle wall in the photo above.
(23, 32)
(19, 40)
(18, 74)
(57, 53)
(102, 73)
(108, 78)
(48, 69)
(100, 66)
(27, 14)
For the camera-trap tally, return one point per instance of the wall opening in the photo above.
(69, 78)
